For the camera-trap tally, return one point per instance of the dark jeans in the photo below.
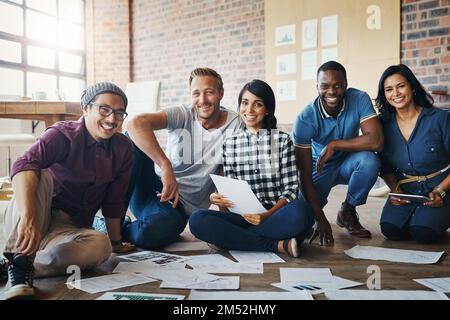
(231, 231)
(157, 224)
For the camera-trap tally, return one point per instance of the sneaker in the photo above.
(290, 247)
(20, 278)
(3, 270)
(99, 224)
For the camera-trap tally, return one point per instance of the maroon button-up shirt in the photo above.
(87, 175)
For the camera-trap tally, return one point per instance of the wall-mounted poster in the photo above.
(329, 54)
(309, 34)
(309, 65)
(287, 90)
(285, 35)
(329, 33)
(286, 64)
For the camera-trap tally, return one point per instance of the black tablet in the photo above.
(410, 197)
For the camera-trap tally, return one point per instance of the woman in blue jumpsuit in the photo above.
(415, 159)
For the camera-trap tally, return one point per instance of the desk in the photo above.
(48, 111)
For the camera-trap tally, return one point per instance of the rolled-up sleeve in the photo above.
(114, 203)
(51, 147)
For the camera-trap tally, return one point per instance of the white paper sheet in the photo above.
(139, 296)
(309, 65)
(182, 277)
(255, 257)
(232, 267)
(287, 63)
(384, 295)
(306, 275)
(287, 90)
(309, 34)
(437, 284)
(243, 295)
(221, 283)
(394, 255)
(110, 282)
(285, 35)
(329, 54)
(214, 258)
(317, 288)
(154, 256)
(187, 246)
(145, 267)
(239, 193)
(330, 30)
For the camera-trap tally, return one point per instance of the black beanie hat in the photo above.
(88, 95)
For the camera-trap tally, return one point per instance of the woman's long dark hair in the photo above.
(420, 96)
(262, 90)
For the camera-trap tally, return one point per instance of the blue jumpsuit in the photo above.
(427, 151)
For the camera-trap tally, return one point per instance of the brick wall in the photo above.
(425, 45)
(172, 37)
(108, 41)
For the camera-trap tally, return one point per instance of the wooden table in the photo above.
(48, 111)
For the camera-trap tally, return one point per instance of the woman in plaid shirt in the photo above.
(264, 157)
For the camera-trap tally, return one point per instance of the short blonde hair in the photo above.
(205, 72)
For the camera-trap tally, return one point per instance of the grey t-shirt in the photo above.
(195, 153)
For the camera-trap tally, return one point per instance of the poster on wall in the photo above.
(309, 34)
(287, 90)
(309, 65)
(285, 35)
(329, 34)
(286, 64)
(329, 54)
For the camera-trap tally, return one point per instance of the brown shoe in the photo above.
(348, 218)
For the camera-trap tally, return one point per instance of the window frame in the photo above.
(25, 42)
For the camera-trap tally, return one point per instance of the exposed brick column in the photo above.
(108, 41)
(425, 45)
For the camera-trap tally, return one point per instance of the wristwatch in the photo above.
(441, 192)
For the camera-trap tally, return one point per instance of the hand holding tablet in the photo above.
(410, 197)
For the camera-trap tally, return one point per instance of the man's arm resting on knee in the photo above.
(25, 187)
(372, 138)
(141, 130)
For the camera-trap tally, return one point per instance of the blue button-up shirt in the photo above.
(426, 151)
(315, 128)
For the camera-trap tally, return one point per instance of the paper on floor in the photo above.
(384, 295)
(144, 267)
(317, 288)
(110, 282)
(242, 295)
(153, 256)
(139, 296)
(232, 267)
(317, 275)
(221, 283)
(437, 284)
(256, 257)
(394, 255)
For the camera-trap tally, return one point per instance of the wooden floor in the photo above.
(393, 275)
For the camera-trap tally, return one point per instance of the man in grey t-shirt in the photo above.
(166, 187)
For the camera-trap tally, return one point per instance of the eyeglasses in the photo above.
(106, 111)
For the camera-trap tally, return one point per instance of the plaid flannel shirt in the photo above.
(266, 161)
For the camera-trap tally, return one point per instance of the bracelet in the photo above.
(441, 192)
(116, 242)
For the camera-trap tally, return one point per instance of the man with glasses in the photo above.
(167, 186)
(74, 169)
(329, 150)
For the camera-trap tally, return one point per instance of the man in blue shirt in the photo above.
(330, 151)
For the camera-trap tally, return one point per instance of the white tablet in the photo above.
(410, 197)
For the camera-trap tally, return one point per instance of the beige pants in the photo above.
(63, 243)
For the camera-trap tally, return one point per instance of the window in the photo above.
(42, 48)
